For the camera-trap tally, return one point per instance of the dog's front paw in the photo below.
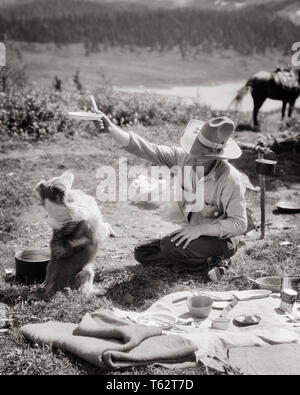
(111, 232)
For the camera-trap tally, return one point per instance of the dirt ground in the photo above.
(129, 285)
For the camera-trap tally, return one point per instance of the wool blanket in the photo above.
(107, 341)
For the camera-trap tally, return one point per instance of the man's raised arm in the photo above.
(158, 154)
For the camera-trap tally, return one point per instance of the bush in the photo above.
(147, 109)
(36, 114)
(32, 114)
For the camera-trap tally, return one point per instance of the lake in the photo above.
(218, 96)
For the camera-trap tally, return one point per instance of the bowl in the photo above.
(288, 207)
(270, 283)
(200, 306)
(31, 265)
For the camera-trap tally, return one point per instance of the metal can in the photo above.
(288, 300)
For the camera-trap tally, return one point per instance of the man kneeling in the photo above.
(206, 240)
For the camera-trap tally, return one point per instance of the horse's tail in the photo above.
(241, 93)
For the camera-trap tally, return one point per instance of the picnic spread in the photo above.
(117, 338)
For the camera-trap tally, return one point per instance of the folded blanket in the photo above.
(108, 341)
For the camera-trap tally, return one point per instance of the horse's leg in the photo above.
(258, 102)
(284, 104)
(291, 108)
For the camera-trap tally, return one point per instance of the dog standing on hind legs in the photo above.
(78, 231)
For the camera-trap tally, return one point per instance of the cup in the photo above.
(200, 306)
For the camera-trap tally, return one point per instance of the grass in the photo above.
(130, 286)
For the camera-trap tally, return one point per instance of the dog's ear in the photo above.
(40, 188)
(40, 185)
(67, 178)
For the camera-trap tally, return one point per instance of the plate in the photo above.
(288, 206)
(85, 116)
(252, 294)
(160, 320)
(247, 320)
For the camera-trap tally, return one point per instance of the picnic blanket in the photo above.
(283, 359)
(107, 341)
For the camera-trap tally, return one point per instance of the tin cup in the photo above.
(200, 306)
(288, 300)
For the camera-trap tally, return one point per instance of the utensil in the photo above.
(290, 317)
(228, 308)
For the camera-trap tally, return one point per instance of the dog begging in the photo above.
(78, 231)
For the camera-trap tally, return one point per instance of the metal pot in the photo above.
(31, 265)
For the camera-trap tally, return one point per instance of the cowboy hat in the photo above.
(210, 139)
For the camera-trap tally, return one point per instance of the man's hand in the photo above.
(186, 234)
(105, 125)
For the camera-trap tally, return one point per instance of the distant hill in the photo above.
(252, 26)
(212, 4)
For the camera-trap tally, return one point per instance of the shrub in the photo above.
(33, 114)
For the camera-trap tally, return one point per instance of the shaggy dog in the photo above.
(78, 230)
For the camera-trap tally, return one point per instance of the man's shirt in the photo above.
(223, 189)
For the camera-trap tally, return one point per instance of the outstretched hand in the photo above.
(105, 124)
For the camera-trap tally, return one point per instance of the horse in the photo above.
(264, 85)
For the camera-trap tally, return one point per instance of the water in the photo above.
(218, 96)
